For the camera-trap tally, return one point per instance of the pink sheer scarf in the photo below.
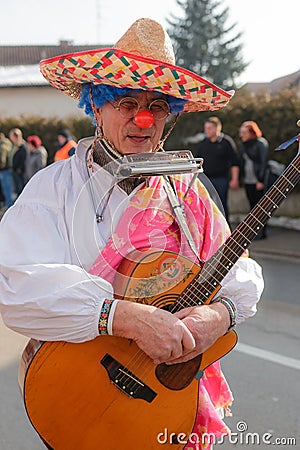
(148, 222)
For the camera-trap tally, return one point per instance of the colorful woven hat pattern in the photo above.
(135, 69)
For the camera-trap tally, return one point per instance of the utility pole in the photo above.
(98, 20)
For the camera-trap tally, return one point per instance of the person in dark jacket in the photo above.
(254, 163)
(19, 158)
(221, 163)
(6, 180)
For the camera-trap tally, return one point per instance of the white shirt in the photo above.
(49, 240)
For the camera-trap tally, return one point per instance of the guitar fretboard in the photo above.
(217, 267)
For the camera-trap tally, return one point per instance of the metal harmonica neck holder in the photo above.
(160, 163)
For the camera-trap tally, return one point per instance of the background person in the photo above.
(66, 146)
(6, 179)
(37, 157)
(84, 221)
(20, 152)
(254, 164)
(221, 162)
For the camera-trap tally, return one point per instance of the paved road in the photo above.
(264, 372)
(265, 383)
(15, 431)
(282, 277)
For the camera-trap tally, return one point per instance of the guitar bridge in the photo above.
(126, 381)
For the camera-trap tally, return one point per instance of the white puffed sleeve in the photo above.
(43, 294)
(244, 285)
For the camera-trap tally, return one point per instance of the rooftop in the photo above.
(278, 84)
(19, 64)
(24, 55)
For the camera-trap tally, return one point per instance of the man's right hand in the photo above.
(160, 334)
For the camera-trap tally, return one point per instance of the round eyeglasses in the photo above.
(129, 107)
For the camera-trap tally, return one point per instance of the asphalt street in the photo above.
(16, 432)
(263, 373)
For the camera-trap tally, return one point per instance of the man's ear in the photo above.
(98, 116)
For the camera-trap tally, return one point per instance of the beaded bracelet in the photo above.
(231, 308)
(104, 314)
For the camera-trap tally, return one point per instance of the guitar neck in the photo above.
(214, 270)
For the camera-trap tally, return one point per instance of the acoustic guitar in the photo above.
(106, 393)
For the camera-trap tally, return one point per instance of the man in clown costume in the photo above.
(65, 237)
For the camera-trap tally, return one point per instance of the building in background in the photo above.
(24, 91)
(273, 87)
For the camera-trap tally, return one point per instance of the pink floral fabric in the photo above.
(148, 222)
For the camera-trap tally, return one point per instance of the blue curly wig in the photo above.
(103, 93)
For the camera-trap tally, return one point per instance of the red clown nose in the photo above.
(144, 119)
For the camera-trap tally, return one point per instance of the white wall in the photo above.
(44, 101)
(238, 203)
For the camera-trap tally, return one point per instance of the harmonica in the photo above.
(160, 163)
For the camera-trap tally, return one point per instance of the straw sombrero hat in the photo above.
(142, 59)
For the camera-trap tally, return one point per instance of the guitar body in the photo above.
(106, 393)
